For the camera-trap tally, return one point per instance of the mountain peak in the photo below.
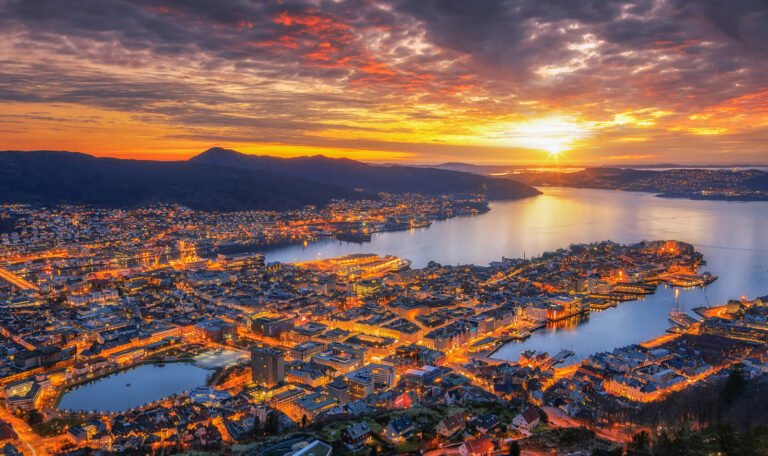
(218, 152)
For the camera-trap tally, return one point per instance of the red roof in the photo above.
(479, 446)
(530, 414)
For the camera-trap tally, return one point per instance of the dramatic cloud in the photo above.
(429, 80)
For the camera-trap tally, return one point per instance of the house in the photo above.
(86, 431)
(450, 425)
(528, 420)
(398, 429)
(453, 396)
(240, 430)
(486, 423)
(481, 446)
(355, 436)
(405, 400)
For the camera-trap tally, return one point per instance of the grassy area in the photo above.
(409, 446)
(55, 426)
(565, 439)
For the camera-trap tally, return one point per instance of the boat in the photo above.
(678, 315)
(708, 278)
(401, 265)
(127, 385)
(420, 223)
(354, 236)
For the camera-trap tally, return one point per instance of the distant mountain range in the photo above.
(370, 178)
(225, 180)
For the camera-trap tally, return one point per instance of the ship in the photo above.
(420, 223)
(708, 278)
(401, 265)
(678, 316)
(690, 280)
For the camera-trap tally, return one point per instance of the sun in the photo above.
(554, 150)
(554, 134)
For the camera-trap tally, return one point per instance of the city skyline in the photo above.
(526, 83)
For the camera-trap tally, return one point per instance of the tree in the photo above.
(514, 448)
(640, 445)
(734, 386)
(256, 427)
(602, 452)
(273, 424)
(304, 421)
(543, 416)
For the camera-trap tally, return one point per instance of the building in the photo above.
(370, 378)
(341, 357)
(22, 395)
(561, 307)
(527, 420)
(306, 350)
(481, 446)
(267, 365)
(340, 390)
(316, 448)
(735, 329)
(285, 400)
(355, 436)
(271, 326)
(450, 425)
(398, 429)
(216, 330)
(241, 263)
(312, 405)
(360, 384)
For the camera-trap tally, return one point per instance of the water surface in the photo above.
(134, 387)
(732, 235)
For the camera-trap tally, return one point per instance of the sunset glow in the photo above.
(419, 82)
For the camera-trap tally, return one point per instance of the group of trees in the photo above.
(729, 416)
(736, 400)
(721, 439)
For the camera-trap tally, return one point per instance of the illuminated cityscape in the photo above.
(384, 227)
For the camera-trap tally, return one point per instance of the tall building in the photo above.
(267, 365)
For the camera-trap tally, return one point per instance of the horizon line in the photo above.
(395, 162)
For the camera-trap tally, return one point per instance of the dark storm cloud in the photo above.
(706, 40)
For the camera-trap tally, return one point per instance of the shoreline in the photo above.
(69, 388)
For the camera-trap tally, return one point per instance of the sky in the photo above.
(544, 82)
